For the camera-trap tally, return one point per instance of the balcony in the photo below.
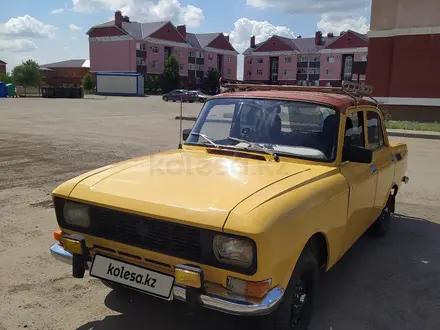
(303, 64)
(313, 76)
(315, 64)
(301, 76)
(141, 54)
(192, 60)
(200, 74)
(200, 61)
(192, 73)
(141, 68)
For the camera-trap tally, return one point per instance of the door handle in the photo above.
(373, 169)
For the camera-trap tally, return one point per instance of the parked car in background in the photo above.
(197, 96)
(176, 95)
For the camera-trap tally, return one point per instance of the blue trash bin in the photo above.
(3, 90)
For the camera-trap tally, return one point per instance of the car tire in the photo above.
(202, 100)
(296, 307)
(165, 99)
(382, 224)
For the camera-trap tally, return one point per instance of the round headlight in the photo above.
(76, 214)
(234, 251)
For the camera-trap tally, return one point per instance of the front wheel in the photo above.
(165, 99)
(202, 100)
(295, 310)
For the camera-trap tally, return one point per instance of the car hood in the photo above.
(190, 187)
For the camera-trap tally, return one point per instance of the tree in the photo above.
(171, 76)
(5, 78)
(212, 80)
(27, 74)
(89, 82)
(153, 83)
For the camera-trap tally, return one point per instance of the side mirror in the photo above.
(185, 133)
(357, 154)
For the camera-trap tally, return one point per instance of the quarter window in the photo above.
(374, 127)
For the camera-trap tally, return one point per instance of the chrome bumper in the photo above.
(229, 305)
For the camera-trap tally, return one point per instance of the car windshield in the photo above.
(288, 128)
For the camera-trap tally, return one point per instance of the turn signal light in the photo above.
(72, 246)
(249, 289)
(189, 276)
(57, 235)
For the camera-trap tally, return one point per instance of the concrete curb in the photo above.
(414, 134)
(391, 132)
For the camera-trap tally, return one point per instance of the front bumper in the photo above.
(235, 305)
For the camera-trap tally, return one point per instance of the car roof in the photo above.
(339, 101)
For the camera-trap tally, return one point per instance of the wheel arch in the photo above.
(320, 248)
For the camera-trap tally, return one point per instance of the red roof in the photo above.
(339, 101)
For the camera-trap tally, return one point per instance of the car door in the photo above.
(361, 178)
(383, 160)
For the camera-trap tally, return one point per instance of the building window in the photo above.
(229, 71)
(250, 61)
(313, 70)
(314, 59)
(260, 60)
(288, 59)
(155, 49)
(140, 61)
(315, 83)
(140, 46)
(259, 72)
(301, 83)
(191, 66)
(200, 54)
(200, 67)
(249, 73)
(330, 59)
(304, 59)
(364, 58)
(192, 54)
(302, 70)
(65, 74)
(348, 67)
(154, 64)
(329, 72)
(210, 57)
(181, 67)
(230, 59)
(287, 72)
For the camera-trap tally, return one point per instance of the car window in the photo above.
(354, 132)
(374, 129)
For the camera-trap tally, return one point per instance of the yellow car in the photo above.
(270, 188)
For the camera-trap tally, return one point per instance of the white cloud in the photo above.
(17, 45)
(57, 11)
(336, 15)
(243, 30)
(336, 24)
(28, 27)
(73, 27)
(146, 10)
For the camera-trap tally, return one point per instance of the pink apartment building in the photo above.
(319, 61)
(125, 46)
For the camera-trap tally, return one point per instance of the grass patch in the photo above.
(413, 125)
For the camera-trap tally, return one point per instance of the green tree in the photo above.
(153, 83)
(171, 78)
(27, 74)
(5, 78)
(89, 82)
(212, 80)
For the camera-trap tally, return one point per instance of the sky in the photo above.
(55, 30)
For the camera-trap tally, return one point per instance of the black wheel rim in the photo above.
(300, 301)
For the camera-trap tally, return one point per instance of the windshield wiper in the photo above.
(256, 146)
(207, 138)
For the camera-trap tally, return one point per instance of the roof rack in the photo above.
(354, 90)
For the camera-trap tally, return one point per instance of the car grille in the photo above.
(147, 233)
